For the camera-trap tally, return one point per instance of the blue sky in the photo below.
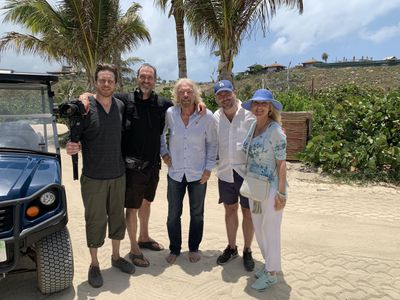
(341, 28)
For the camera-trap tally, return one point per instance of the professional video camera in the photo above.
(70, 109)
(75, 112)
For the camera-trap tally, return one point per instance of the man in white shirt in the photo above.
(233, 123)
(190, 156)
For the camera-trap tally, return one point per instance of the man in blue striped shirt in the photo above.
(190, 156)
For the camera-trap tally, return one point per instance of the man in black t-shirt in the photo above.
(145, 113)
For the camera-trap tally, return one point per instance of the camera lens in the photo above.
(68, 110)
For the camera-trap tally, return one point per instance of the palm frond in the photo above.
(36, 15)
(176, 7)
(27, 44)
(225, 23)
(81, 32)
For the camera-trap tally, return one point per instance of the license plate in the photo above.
(3, 252)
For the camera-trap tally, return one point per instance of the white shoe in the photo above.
(265, 281)
(259, 273)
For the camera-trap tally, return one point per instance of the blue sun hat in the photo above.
(262, 95)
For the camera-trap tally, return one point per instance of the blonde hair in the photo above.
(275, 114)
(196, 90)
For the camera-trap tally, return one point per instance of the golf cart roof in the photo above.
(11, 77)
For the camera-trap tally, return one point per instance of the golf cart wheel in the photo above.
(55, 266)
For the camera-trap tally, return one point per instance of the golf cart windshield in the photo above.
(26, 119)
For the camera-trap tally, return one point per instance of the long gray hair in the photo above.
(196, 90)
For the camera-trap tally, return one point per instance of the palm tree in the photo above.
(176, 10)
(81, 33)
(224, 24)
(126, 71)
(324, 57)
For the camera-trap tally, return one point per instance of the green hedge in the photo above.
(356, 133)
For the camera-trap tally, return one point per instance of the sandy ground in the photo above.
(338, 242)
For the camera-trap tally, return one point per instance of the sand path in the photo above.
(338, 242)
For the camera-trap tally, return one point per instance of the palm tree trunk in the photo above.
(180, 42)
(225, 66)
(91, 83)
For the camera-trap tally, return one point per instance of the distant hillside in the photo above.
(384, 77)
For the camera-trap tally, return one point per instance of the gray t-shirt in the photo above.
(101, 141)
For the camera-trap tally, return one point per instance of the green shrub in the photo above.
(166, 92)
(63, 139)
(244, 92)
(295, 100)
(356, 132)
(209, 100)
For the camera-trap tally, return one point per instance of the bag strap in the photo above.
(251, 132)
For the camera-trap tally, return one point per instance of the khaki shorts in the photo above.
(103, 200)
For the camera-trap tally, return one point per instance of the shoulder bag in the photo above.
(254, 187)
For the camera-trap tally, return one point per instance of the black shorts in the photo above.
(141, 185)
(229, 193)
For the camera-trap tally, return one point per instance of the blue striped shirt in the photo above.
(192, 148)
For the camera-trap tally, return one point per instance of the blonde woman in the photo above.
(266, 148)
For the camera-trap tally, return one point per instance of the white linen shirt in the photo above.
(193, 148)
(230, 142)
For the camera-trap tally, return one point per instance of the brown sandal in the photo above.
(139, 260)
(152, 245)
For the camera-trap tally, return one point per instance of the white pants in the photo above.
(267, 228)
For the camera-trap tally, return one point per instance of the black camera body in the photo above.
(71, 109)
(133, 163)
(75, 112)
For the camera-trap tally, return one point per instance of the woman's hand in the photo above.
(281, 197)
(280, 202)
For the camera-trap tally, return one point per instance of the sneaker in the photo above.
(124, 265)
(227, 255)
(264, 282)
(248, 260)
(94, 277)
(260, 272)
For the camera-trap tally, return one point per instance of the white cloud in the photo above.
(162, 51)
(324, 21)
(291, 35)
(383, 34)
(285, 46)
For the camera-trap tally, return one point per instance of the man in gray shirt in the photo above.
(103, 172)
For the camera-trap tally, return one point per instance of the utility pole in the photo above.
(287, 75)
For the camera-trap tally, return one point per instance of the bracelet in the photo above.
(281, 195)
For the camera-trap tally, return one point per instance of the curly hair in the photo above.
(196, 90)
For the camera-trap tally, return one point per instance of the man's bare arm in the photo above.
(84, 98)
